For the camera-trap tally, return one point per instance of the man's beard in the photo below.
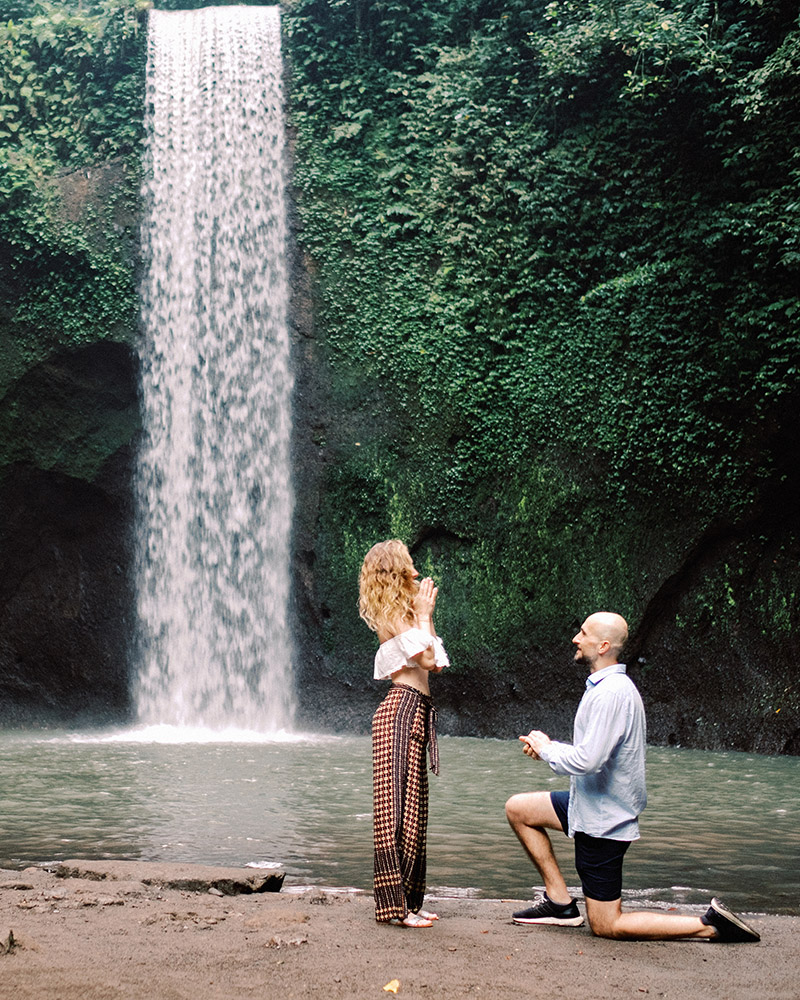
(584, 659)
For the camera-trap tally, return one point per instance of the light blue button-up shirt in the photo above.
(606, 760)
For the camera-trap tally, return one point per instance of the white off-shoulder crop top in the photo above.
(396, 653)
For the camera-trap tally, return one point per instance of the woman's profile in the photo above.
(400, 611)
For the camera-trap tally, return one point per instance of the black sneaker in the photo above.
(728, 925)
(545, 911)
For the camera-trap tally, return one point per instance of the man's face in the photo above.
(586, 642)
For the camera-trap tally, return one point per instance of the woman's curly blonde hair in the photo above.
(386, 585)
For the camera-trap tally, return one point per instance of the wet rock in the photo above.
(192, 878)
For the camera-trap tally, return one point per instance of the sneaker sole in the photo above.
(552, 921)
(719, 907)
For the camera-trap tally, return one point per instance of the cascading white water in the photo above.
(213, 484)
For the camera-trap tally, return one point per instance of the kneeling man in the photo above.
(606, 765)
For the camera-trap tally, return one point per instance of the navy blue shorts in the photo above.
(598, 860)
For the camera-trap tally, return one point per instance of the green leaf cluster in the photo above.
(71, 86)
(65, 80)
(557, 280)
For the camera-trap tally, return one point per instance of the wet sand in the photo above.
(131, 937)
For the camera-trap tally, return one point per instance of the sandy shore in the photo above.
(131, 937)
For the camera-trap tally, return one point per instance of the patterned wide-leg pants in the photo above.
(401, 729)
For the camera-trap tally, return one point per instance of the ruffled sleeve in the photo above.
(396, 653)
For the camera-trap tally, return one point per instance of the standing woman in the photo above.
(400, 610)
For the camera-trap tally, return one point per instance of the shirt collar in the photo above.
(614, 668)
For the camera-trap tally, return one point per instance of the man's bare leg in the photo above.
(607, 920)
(530, 815)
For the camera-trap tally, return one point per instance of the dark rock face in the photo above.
(65, 593)
(69, 415)
(311, 411)
(65, 599)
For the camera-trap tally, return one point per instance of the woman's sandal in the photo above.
(414, 920)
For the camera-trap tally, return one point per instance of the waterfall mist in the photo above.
(213, 484)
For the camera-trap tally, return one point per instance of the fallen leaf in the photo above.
(392, 987)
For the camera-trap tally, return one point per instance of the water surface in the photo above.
(716, 823)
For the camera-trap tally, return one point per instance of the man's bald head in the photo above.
(609, 626)
(601, 639)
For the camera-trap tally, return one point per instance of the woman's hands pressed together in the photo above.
(425, 602)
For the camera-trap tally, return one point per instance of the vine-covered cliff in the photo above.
(545, 317)
(554, 250)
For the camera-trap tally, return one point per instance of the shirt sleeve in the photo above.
(605, 730)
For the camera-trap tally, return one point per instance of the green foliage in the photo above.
(557, 249)
(71, 87)
(60, 74)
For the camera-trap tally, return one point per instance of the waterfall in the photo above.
(213, 486)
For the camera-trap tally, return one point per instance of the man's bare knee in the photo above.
(514, 810)
(601, 929)
(532, 809)
(602, 917)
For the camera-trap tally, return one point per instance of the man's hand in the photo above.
(533, 743)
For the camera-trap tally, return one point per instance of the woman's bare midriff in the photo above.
(414, 677)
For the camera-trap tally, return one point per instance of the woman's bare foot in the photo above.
(412, 920)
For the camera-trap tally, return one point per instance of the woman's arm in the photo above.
(423, 620)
